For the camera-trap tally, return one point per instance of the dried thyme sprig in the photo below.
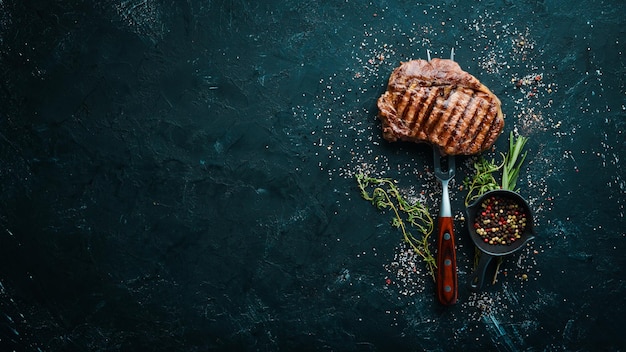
(386, 195)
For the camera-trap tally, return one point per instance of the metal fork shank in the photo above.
(444, 178)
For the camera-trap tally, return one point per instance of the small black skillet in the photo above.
(489, 251)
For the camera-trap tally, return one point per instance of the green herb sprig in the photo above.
(483, 179)
(386, 195)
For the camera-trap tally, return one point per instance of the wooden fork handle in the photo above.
(447, 285)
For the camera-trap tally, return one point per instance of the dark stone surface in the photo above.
(178, 175)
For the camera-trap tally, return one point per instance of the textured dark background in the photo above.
(178, 175)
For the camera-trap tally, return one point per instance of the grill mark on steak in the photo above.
(454, 102)
(470, 110)
(414, 118)
(405, 99)
(431, 95)
(455, 119)
(409, 116)
(441, 104)
(491, 123)
(432, 112)
(476, 136)
(469, 122)
(489, 137)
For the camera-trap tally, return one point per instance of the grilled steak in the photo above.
(437, 102)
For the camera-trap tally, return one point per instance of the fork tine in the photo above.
(439, 173)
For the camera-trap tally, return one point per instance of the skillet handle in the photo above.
(477, 278)
(447, 286)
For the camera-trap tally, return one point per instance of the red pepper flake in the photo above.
(388, 281)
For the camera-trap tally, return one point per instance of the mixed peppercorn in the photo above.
(500, 221)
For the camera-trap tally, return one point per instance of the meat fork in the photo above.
(447, 283)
